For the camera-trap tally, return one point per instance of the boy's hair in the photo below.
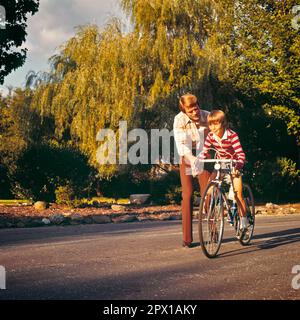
(186, 99)
(217, 116)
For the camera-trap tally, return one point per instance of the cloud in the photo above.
(54, 24)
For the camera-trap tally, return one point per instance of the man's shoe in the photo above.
(187, 244)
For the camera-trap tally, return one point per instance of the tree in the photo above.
(14, 34)
(240, 55)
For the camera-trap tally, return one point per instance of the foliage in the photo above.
(14, 34)
(242, 57)
(282, 177)
(41, 169)
(64, 195)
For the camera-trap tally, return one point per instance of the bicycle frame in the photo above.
(232, 210)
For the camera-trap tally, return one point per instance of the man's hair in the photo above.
(186, 99)
(217, 116)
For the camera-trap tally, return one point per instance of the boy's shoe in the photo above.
(229, 220)
(243, 234)
(244, 223)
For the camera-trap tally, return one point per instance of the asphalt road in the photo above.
(146, 261)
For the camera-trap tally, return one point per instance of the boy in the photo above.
(228, 146)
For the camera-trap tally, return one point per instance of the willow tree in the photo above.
(94, 83)
(176, 36)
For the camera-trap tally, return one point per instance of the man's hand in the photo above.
(197, 167)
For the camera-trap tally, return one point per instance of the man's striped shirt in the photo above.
(228, 147)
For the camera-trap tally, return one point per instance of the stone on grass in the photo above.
(271, 206)
(118, 208)
(40, 205)
(139, 198)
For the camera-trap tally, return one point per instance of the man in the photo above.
(190, 130)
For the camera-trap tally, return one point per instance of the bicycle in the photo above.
(216, 203)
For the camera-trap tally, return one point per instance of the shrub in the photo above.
(65, 195)
(276, 180)
(42, 169)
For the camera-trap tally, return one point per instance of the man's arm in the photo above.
(182, 141)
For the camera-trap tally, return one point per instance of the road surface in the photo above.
(137, 261)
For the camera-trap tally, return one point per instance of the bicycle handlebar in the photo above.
(217, 160)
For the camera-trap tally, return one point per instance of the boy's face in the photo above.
(217, 128)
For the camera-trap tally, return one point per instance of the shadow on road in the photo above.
(15, 236)
(278, 238)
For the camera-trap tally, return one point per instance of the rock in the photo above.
(20, 224)
(101, 219)
(35, 223)
(139, 198)
(175, 217)
(46, 221)
(74, 222)
(271, 206)
(40, 205)
(76, 217)
(9, 225)
(57, 218)
(118, 208)
(163, 217)
(143, 217)
(88, 220)
(125, 218)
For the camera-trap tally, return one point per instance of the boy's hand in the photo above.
(235, 173)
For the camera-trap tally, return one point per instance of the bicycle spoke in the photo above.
(211, 223)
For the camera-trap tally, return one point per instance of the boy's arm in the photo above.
(238, 150)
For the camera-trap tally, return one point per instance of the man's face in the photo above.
(193, 111)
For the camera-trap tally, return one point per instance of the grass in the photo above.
(106, 200)
(13, 202)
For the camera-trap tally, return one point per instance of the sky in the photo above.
(52, 26)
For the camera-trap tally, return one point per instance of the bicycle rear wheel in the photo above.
(211, 220)
(250, 210)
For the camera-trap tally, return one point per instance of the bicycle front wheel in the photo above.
(211, 220)
(250, 210)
